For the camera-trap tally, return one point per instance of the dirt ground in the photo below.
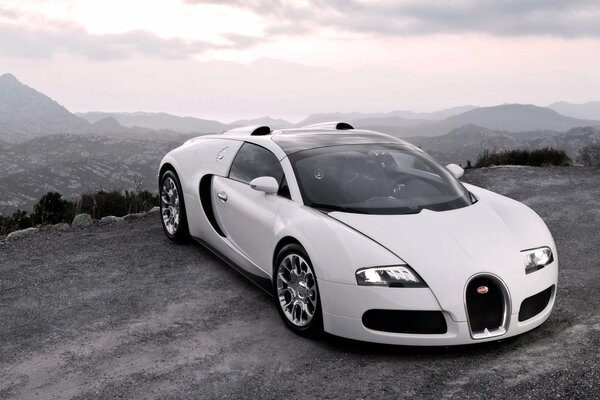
(117, 311)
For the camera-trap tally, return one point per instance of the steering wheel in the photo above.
(397, 184)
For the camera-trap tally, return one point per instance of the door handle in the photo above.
(222, 196)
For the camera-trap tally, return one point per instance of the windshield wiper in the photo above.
(334, 207)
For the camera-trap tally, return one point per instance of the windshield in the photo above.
(376, 179)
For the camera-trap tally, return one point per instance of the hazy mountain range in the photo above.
(45, 147)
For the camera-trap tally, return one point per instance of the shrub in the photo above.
(102, 203)
(139, 201)
(52, 209)
(590, 155)
(534, 158)
(19, 220)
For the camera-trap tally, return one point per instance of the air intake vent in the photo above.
(255, 130)
(532, 306)
(342, 126)
(406, 321)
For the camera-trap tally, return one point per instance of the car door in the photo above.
(245, 215)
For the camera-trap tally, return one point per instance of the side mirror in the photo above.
(266, 184)
(455, 170)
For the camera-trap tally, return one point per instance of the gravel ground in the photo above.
(117, 311)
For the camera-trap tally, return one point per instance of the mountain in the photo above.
(507, 117)
(397, 117)
(590, 110)
(268, 121)
(517, 118)
(467, 142)
(435, 115)
(27, 113)
(75, 164)
(158, 121)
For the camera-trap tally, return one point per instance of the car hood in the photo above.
(449, 247)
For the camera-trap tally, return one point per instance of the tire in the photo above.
(172, 208)
(297, 298)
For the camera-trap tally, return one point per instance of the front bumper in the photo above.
(344, 305)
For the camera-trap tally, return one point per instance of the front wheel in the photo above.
(172, 208)
(297, 292)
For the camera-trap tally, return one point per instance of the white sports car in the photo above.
(362, 235)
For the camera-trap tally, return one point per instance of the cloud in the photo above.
(561, 18)
(35, 43)
(32, 36)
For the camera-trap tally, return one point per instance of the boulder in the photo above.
(133, 216)
(22, 233)
(63, 227)
(154, 210)
(110, 219)
(82, 220)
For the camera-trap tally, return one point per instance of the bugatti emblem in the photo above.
(482, 289)
(222, 153)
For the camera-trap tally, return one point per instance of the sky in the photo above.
(231, 59)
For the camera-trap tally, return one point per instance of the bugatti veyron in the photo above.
(362, 235)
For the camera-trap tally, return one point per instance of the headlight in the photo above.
(393, 276)
(536, 259)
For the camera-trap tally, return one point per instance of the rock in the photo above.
(133, 216)
(63, 227)
(110, 219)
(82, 220)
(154, 210)
(22, 233)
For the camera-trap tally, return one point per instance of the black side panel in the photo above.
(259, 281)
(403, 321)
(532, 306)
(206, 200)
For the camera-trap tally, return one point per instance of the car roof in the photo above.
(295, 140)
(325, 134)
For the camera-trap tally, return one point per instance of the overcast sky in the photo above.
(238, 59)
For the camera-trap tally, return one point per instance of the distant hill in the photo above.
(75, 164)
(507, 117)
(26, 113)
(518, 117)
(590, 110)
(467, 142)
(268, 121)
(396, 117)
(158, 121)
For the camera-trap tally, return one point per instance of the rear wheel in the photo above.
(172, 208)
(296, 291)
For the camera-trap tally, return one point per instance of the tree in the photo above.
(51, 209)
(590, 155)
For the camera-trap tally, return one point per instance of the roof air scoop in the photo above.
(255, 130)
(335, 125)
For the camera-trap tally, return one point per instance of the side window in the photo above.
(253, 161)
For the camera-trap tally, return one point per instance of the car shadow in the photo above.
(345, 345)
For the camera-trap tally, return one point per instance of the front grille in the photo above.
(485, 304)
(532, 306)
(404, 321)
